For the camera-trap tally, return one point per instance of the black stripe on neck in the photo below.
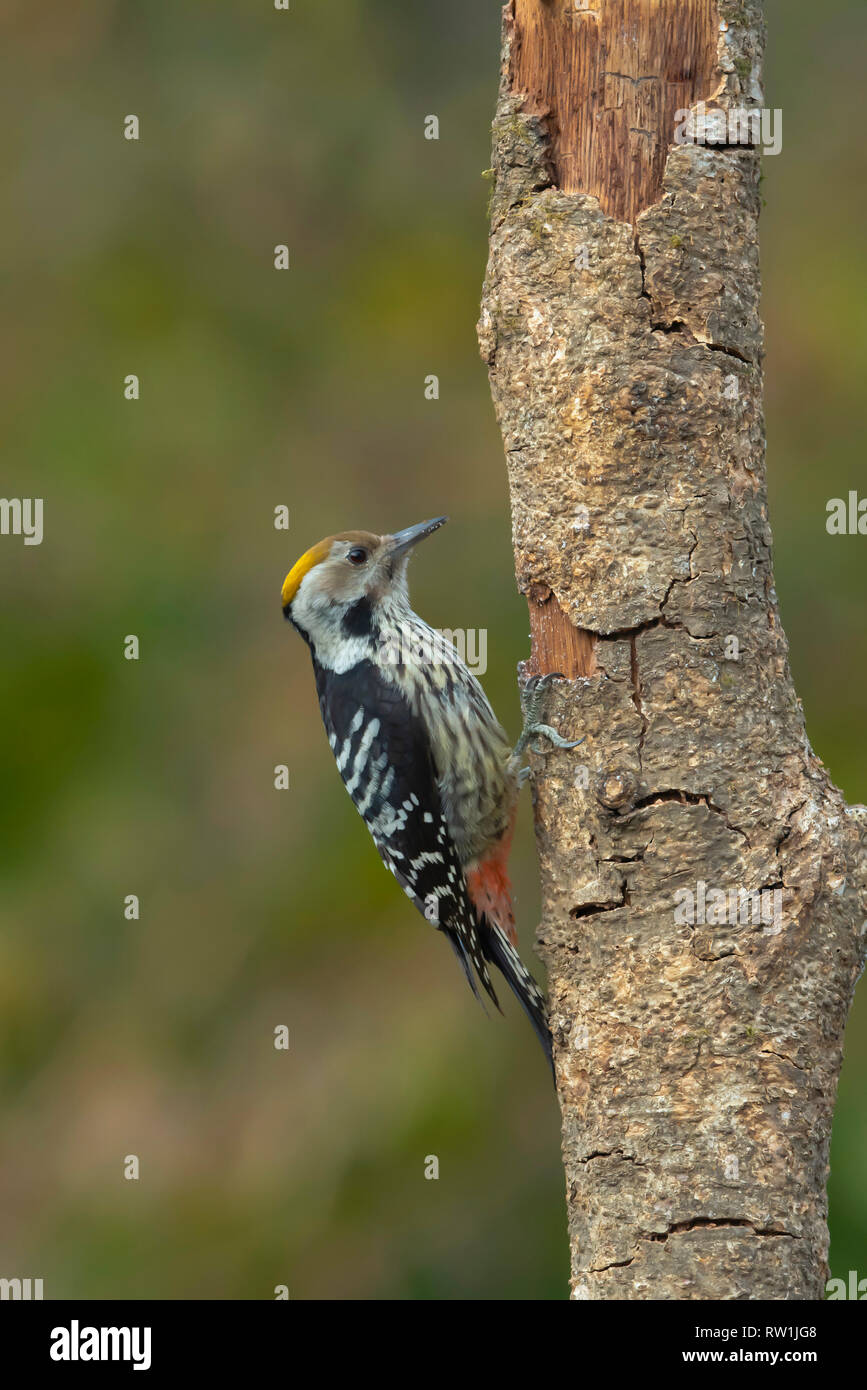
(358, 619)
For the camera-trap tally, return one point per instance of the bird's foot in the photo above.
(532, 700)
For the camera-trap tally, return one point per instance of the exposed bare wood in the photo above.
(609, 75)
(555, 644)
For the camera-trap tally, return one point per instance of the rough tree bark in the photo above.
(697, 1062)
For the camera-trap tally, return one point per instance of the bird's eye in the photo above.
(357, 555)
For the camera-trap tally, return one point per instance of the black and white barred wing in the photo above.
(384, 757)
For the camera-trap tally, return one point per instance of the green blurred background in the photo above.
(306, 388)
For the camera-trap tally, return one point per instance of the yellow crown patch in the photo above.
(292, 582)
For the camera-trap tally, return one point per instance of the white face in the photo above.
(326, 589)
(353, 567)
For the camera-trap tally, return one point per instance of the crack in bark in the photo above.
(683, 798)
(594, 909)
(695, 1061)
(710, 1223)
(625, 77)
(698, 1223)
(615, 1264)
(636, 697)
(677, 325)
(643, 267)
(730, 352)
(787, 828)
(771, 1052)
(623, 634)
(612, 1153)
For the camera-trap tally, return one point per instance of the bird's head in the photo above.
(337, 587)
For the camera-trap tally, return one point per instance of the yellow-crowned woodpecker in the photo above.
(418, 746)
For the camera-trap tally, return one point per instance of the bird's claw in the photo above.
(532, 700)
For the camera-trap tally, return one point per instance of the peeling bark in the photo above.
(697, 1062)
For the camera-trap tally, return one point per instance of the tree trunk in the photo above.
(697, 1030)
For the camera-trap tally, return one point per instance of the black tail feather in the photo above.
(458, 946)
(501, 952)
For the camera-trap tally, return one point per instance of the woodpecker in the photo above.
(419, 748)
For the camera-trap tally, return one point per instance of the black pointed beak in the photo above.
(402, 541)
